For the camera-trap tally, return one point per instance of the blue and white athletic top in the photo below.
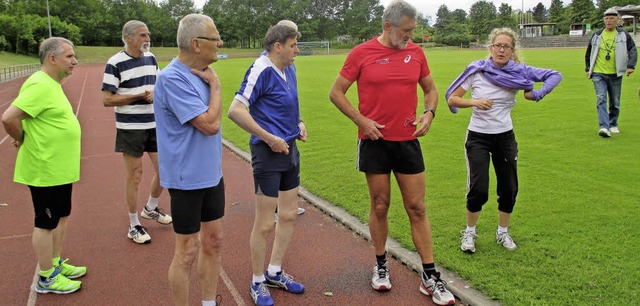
(272, 98)
(126, 75)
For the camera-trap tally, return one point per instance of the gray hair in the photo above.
(514, 41)
(288, 23)
(279, 34)
(130, 28)
(191, 26)
(395, 10)
(52, 45)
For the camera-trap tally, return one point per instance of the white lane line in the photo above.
(3, 139)
(33, 295)
(82, 92)
(232, 288)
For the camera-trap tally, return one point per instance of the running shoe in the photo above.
(58, 284)
(70, 271)
(380, 280)
(284, 281)
(506, 241)
(437, 290)
(156, 214)
(614, 130)
(260, 294)
(468, 241)
(139, 234)
(604, 133)
(300, 210)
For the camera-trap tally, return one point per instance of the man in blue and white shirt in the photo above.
(128, 83)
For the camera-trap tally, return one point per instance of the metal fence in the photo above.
(14, 72)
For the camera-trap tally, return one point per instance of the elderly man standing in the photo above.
(611, 53)
(128, 83)
(47, 134)
(188, 107)
(388, 68)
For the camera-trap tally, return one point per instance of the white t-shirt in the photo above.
(497, 119)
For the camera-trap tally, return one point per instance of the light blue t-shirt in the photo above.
(187, 158)
(272, 98)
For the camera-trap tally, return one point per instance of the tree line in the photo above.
(242, 23)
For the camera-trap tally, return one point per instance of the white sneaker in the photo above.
(614, 130)
(300, 210)
(380, 280)
(437, 290)
(506, 241)
(139, 234)
(468, 241)
(604, 133)
(156, 214)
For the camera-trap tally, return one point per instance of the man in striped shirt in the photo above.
(128, 83)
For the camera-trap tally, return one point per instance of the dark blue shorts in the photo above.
(274, 172)
(191, 207)
(50, 204)
(382, 156)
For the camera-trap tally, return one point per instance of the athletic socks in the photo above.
(256, 279)
(273, 270)
(381, 259)
(45, 273)
(471, 229)
(428, 270)
(209, 303)
(152, 203)
(133, 220)
(501, 230)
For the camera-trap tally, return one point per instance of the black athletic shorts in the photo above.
(274, 172)
(382, 156)
(50, 204)
(136, 142)
(191, 207)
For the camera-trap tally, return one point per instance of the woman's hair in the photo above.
(52, 45)
(514, 41)
(279, 33)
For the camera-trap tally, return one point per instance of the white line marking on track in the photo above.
(3, 139)
(82, 92)
(33, 295)
(232, 288)
(14, 236)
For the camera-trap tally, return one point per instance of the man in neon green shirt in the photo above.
(47, 134)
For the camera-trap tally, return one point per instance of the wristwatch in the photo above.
(433, 111)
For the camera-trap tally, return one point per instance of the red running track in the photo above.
(334, 263)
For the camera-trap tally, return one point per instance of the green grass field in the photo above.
(576, 220)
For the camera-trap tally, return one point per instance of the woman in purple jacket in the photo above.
(494, 83)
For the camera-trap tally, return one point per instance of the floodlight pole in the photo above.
(49, 18)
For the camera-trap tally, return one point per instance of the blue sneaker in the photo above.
(260, 294)
(284, 281)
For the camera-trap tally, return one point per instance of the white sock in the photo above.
(273, 270)
(133, 219)
(258, 279)
(471, 229)
(152, 203)
(209, 303)
(502, 230)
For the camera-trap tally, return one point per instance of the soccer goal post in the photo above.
(313, 47)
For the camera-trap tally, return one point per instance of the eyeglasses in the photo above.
(209, 39)
(502, 47)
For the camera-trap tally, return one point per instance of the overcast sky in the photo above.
(429, 8)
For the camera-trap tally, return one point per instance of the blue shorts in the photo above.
(191, 207)
(274, 172)
(50, 204)
(382, 156)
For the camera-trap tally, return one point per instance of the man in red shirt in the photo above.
(387, 69)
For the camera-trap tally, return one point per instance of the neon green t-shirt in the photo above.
(50, 152)
(608, 46)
